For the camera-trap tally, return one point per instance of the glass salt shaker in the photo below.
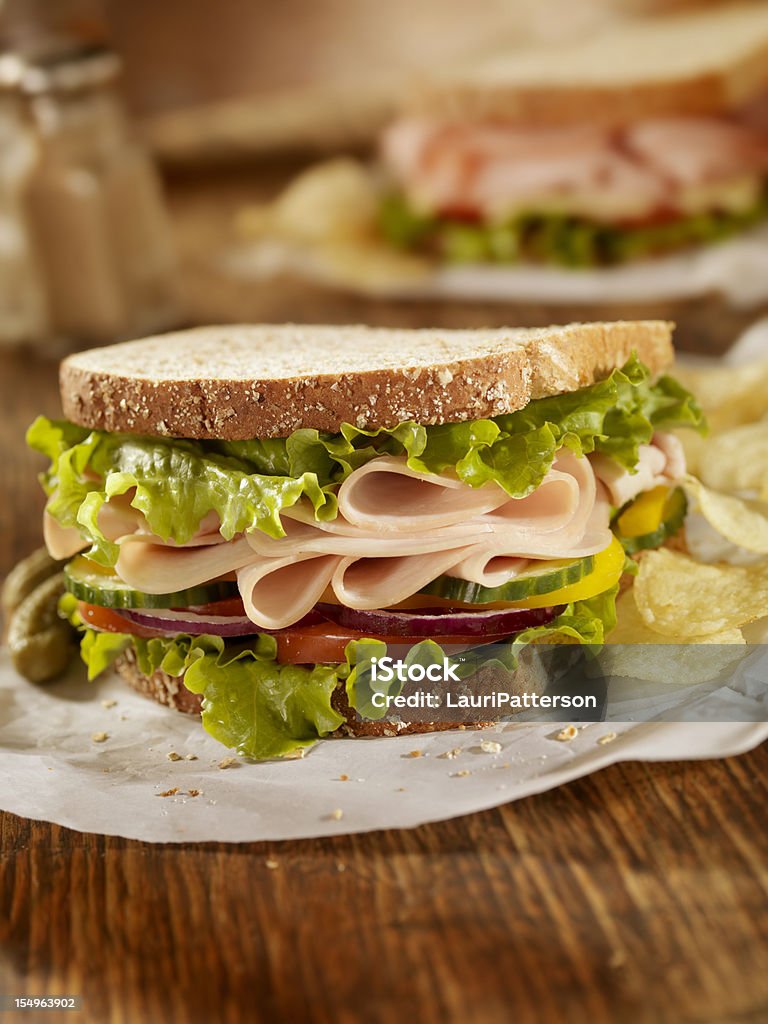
(22, 298)
(95, 205)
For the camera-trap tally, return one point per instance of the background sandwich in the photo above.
(616, 176)
(643, 139)
(242, 506)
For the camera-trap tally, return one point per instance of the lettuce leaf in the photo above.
(266, 710)
(175, 483)
(556, 238)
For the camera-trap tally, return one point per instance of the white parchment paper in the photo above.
(737, 269)
(52, 769)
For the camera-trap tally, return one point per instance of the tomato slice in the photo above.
(112, 622)
(227, 606)
(325, 643)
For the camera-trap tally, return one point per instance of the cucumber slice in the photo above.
(544, 579)
(94, 585)
(673, 517)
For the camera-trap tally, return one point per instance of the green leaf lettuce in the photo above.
(175, 483)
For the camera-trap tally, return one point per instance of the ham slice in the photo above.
(495, 170)
(61, 541)
(397, 530)
(277, 592)
(145, 563)
(116, 518)
(662, 462)
(386, 546)
(386, 495)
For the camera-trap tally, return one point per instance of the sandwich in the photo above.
(242, 509)
(648, 137)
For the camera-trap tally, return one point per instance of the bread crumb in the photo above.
(194, 792)
(169, 792)
(566, 734)
(337, 814)
(414, 753)
(490, 747)
(272, 864)
(343, 778)
(609, 737)
(451, 754)
(400, 789)
(228, 762)
(99, 737)
(295, 755)
(461, 774)
(190, 757)
(108, 704)
(173, 756)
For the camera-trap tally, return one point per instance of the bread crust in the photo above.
(694, 63)
(238, 382)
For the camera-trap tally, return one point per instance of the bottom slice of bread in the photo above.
(171, 691)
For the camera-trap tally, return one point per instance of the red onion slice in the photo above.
(173, 621)
(428, 622)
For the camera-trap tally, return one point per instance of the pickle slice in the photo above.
(545, 578)
(94, 585)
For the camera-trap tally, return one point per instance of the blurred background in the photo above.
(135, 137)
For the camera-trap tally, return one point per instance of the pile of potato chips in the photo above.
(680, 599)
(328, 216)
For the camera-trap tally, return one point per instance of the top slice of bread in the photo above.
(241, 382)
(691, 63)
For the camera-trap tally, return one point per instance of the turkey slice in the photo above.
(277, 592)
(148, 565)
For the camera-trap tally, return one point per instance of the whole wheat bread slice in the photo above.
(687, 63)
(240, 382)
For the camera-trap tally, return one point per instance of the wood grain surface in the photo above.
(637, 894)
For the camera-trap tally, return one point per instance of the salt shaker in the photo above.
(22, 298)
(95, 205)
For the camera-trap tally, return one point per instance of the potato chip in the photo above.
(679, 597)
(730, 396)
(739, 520)
(635, 651)
(332, 200)
(736, 460)
(631, 628)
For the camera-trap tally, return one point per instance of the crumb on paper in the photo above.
(414, 753)
(109, 704)
(568, 733)
(400, 789)
(169, 792)
(190, 757)
(99, 737)
(228, 762)
(337, 814)
(609, 737)
(343, 777)
(272, 864)
(295, 755)
(172, 755)
(490, 747)
(461, 774)
(451, 754)
(194, 792)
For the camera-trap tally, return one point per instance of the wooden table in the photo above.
(637, 894)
